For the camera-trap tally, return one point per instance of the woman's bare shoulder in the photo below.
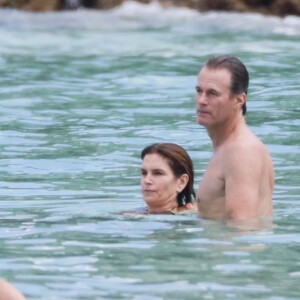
(187, 208)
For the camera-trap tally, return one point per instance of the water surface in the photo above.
(81, 93)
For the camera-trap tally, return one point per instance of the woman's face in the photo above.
(159, 184)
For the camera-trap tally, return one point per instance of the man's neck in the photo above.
(220, 133)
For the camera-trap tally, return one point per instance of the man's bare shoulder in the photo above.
(9, 292)
(243, 144)
(244, 152)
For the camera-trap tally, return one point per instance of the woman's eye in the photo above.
(157, 173)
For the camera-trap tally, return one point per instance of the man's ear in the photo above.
(182, 182)
(241, 100)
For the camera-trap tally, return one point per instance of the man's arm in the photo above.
(8, 292)
(242, 171)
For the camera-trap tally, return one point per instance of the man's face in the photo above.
(214, 103)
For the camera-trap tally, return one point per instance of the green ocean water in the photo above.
(81, 94)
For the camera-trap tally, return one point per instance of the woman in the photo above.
(167, 179)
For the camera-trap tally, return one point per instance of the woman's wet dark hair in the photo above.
(179, 162)
(238, 71)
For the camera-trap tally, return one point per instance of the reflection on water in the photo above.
(81, 93)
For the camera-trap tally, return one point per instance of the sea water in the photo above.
(81, 94)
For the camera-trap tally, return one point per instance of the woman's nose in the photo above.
(148, 178)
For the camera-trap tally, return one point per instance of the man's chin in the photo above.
(202, 122)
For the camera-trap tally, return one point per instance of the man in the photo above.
(9, 292)
(239, 180)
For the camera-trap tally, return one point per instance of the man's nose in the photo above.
(201, 98)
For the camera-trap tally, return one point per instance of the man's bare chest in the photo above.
(211, 191)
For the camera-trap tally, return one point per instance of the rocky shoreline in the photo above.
(279, 8)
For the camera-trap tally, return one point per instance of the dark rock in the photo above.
(194, 4)
(69, 4)
(107, 4)
(286, 7)
(221, 5)
(259, 3)
(270, 7)
(32, 5)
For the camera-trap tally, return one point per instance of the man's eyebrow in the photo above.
(197, 87)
